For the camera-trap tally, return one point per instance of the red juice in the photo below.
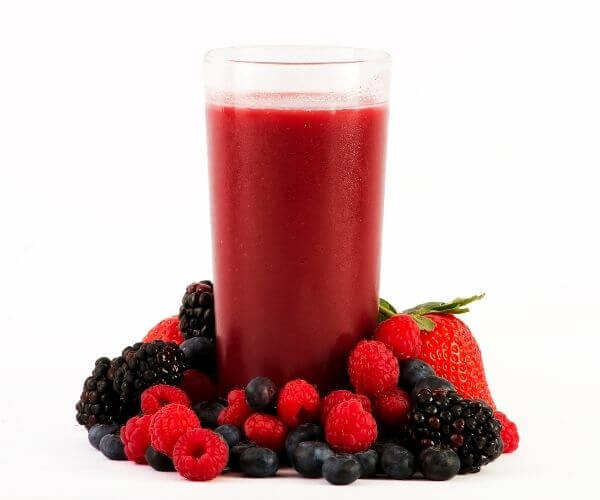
(297, 200)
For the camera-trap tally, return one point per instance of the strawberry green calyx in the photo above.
(386, 310)
(456, 306)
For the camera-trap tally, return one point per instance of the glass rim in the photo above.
(235, 55)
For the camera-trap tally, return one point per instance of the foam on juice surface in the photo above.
(290, 100)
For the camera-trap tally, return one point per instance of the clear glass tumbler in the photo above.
(296, 141)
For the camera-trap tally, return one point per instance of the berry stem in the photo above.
(386, 310)
(456, 306)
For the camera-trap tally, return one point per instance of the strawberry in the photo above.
(448, 345)
(453, 353)
(166, 330)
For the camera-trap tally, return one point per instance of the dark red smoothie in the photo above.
(296, 205)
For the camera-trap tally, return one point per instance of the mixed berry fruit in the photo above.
(408, 410)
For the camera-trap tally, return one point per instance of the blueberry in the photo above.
(98, 431)
(309, 457)
(368, 462)
(304, 432)
(199, 354)
(259, 462)
(158, 461)
(439, 464)
(397, 462)
(260, 393)
(341, 469)
(235, 453)
(432, 383)
(230, 433)
(112, 447)
(413, 371)
(379, 448)
(208, 412)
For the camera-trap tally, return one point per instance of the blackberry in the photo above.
(196, 314)
(445, 419)
(142, 366)
(99, 403)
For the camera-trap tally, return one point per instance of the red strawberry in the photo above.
(454, 354)
(449, 346)
(166, 330)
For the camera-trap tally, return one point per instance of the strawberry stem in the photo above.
(456, 306)
(387, 311)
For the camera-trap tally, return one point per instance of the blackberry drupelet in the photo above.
(445, 418)
(142, 366)
(99, 403)
(196, 314)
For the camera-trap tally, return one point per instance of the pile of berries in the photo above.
(158, 404)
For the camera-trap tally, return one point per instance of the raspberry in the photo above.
(349, 428)
(391, 407)
(372, 368)
(157, 396)
(266, 431)
(198, 386)
(365, 401)
(167, 330)
(200, 455)
(401, 335)
(509, 433)
(298, 403)
(237, 410)
(135, 435)
(168, 424)
(334, 398)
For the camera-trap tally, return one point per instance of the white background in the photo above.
(492, 186)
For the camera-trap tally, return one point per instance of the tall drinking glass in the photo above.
(296, 142)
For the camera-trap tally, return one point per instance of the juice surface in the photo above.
(296, 199)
